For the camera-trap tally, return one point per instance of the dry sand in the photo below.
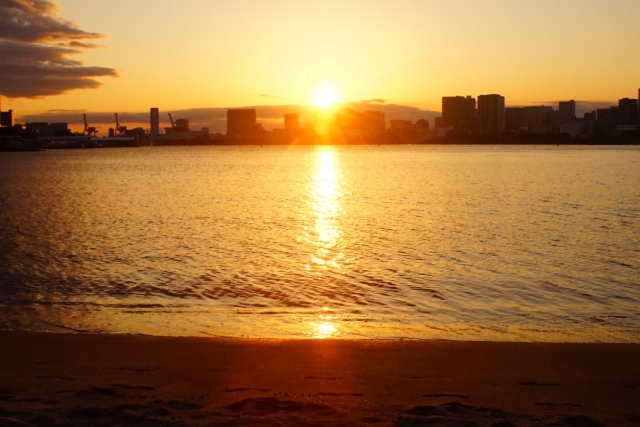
(104, 380)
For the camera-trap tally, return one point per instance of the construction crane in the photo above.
(89, 130)
(120, 129)
(173, 125)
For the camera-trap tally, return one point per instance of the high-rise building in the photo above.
(566, 111)
(458, 112)
(513, 119)
(241, 123)
(491, 114)
(627, 111)
(538, 119)
(606, 121)
(291, 123)
(155, 121)
(6, 118)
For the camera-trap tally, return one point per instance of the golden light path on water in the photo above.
(325, 195)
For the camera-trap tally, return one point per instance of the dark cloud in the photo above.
(35, 46)
(35, 21)
(82, 45)
(271, 116)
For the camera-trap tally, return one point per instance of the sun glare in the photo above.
(325, 95)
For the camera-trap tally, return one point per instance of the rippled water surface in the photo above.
(490, 243)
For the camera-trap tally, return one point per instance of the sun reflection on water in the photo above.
(325, 327)
(325, 206)
(325, 193)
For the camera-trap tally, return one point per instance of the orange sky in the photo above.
(206, 53)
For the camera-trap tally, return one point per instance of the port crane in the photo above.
(173, 125)
(120, 129)
(90, 131)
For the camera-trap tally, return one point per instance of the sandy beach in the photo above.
(124, 380)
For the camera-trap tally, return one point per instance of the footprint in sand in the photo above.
(178, 405)
(133, 387)
(339, 394)
(271, 405)
(538, 384)
(324, 378)
(54, 377)
(438, 395)
(99, 392)
(6, 394)
(131, 407)
(136, 369)
(554, 404)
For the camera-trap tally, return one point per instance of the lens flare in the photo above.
(325, 95)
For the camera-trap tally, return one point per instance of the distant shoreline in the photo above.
(41, 148)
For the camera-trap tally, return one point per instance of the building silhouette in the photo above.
(566, 111)
(291, 123)
(491, 114)
(49, 129)
(154, 119)
(627, 111)
(513, 119)
(422, 130)
(538, 119)
(241, 123)
(403, 129)
(458, 112)
(182, 124)
(606, 121)
(6, 117)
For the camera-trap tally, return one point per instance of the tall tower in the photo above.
(491, 114)
(458, 112)
(155, 122)
(567, 111)
(627, 111)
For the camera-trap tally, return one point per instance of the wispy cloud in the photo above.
(374, 101)
(35, 46)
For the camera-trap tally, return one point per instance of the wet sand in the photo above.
(104, 380)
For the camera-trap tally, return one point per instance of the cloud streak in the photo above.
(35, 46)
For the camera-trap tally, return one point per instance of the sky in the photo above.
(204, 56)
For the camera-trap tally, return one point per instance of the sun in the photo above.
(325, 95)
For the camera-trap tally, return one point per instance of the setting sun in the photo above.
(325, 95)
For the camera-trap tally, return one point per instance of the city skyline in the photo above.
(205, 62)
